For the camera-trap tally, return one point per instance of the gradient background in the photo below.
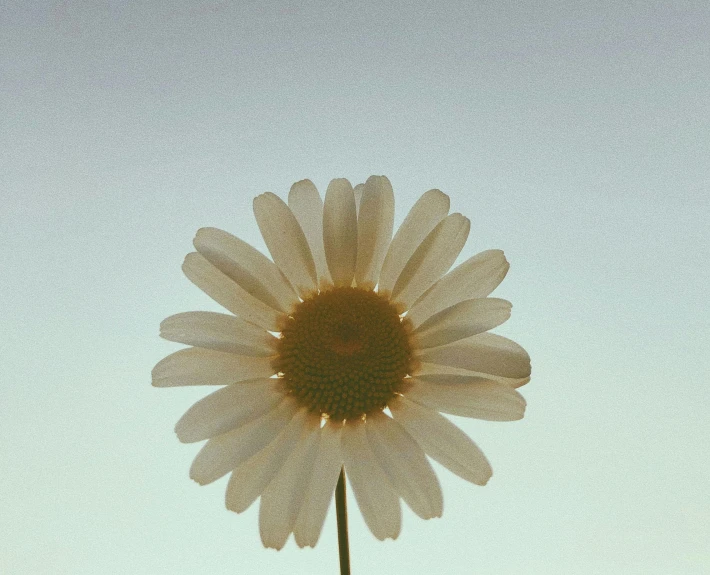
(575, 135)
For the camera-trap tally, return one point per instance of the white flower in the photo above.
(375, 338)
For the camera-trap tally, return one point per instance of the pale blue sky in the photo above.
(575, 135)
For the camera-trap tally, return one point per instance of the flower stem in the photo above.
(341, 511)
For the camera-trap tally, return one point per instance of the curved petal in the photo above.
(451, 379)
(286, 242)
(320, 490)
(442, 441)
(223, 453)
(197, 366)
(283, 497)
(250, 478)
(520, 382)
(307, 205)
(478, 398)
(340, 231)
(357, 191)
(227, 408)
(375, 497)
(458, 376)
(425, 214)
(247, 267)
(406, 466)
(462, 320)
(219, 332)
(431, 259)
(426, 369)
(483, 353)
(374, 230)
(477, 277)
(228, 294)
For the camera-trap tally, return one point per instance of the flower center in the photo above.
(344, 352)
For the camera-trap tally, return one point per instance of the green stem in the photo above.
(341, 511)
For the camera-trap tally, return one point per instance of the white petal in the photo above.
(286, 242)
(197, 366)
(307, 205)
(283, 497)
(406, 466)
(320, 490)
(477, 277)
(223, 453)
(432, 259)
(250, 269)
(462, 320)
(425, 214)
(484, 353)
(478, 398)
(227, 408)
(228, 294)
(340, 231)
(249, 480)
(377, 500)
(219, 332)
(442, 441)
(374, 230)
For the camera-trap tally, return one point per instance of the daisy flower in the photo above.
(342, 351)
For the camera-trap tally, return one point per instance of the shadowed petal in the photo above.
(283, 497)
(322, 485)
(406, 466)
(223, 453)
(462, 320)
(340, 231)
(286, 242)
(219, 332)
(375, 221)
(477, 398)
(228, 294)
(375, 497)
(307, 205)
(484, 353)
(227, 408)
(249, 479)
(250, 269)
(442, 441)
(425, 214)
(432, 259)
(197, 366)
(477, 277)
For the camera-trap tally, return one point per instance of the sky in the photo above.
(574, 135)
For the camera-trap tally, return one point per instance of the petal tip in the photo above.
(340, 182)
(305, 543)
(183, 438)
(198, 480)
(189, 260)
(263, 198)
(156, 379)
(301, 183)
(485, 476)
(271, 543)
(444, 197)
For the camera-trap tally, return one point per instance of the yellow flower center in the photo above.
(344, 352)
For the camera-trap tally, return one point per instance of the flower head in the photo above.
(342, 351)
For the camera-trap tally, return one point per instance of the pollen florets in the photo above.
(344, 352)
